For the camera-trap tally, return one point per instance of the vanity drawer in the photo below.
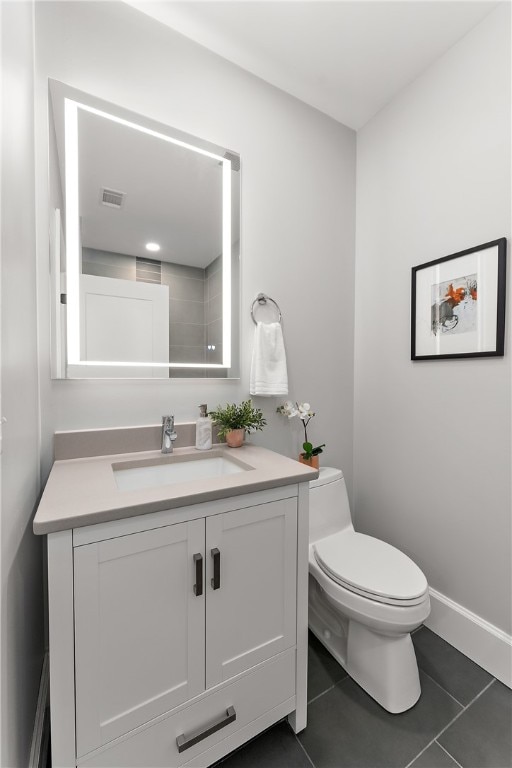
(249, 697)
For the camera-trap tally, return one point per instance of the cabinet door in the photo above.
(251, 606)
(139, 629)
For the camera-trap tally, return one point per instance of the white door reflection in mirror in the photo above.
(148, 206)
(123, 320)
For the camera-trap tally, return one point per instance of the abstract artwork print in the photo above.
(454, 305)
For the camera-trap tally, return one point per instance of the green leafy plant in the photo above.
(305, 414)
(233, 416)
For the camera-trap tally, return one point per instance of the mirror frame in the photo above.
(70, 101)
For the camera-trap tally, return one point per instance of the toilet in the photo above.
(365, 598)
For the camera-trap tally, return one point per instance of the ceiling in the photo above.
(171, 183)
(172, 195)
(347, 58)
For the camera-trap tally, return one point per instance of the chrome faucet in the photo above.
(169, 434)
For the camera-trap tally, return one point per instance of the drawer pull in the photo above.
(198, 586)
(183, 742)
(216, 569)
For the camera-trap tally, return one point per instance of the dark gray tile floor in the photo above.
(462, 720)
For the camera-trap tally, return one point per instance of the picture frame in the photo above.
(458, 304)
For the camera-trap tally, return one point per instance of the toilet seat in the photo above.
(371, 568)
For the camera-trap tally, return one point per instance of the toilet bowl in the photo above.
(365, 598)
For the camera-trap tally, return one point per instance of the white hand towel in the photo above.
(268, 367)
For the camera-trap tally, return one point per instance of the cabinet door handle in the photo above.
(185, 742)
(198, 586)
(216, 569)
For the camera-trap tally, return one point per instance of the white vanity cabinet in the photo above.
(181, 633)
(252, 615)
(139, 630)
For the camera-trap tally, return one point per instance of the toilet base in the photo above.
(383, 665)
(328, 625)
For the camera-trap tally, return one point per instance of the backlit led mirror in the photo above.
(144, 245)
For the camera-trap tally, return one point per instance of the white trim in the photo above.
(299, 717)
(62, 644)
(39, 745)
(485, 644)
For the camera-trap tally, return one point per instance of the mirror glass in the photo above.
(144, 246)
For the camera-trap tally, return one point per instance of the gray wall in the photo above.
(22, 633)
(298, 192)
(432, 439)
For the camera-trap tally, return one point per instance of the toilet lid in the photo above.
(371, 567)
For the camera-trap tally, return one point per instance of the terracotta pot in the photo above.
(312, 462)
(235, 438)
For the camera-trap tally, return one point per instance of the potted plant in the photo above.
(309, 454)
(235, 420)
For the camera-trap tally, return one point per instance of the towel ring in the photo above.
(262, 299)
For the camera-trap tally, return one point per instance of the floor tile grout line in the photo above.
(323, 692)
(301, 745)
(451, 722)
(443, 689)
(449, 754)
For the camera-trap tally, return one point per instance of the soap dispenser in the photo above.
(203, 429)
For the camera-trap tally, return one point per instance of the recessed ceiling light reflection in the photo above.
(154, 247)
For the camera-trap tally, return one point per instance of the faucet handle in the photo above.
(168, 426)
(169, 434)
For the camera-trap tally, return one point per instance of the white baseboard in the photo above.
(39, 747)
(485, 644)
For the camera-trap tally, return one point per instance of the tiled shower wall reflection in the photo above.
(195, 304)
(213, 310)
(186, 313)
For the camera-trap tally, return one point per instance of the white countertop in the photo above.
(83, 491)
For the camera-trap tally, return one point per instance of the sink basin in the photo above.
(152, 474)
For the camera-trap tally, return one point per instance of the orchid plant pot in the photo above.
(310, 454)
(312, 462)
(235, 438)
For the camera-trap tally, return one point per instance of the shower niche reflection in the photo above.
(145, 246)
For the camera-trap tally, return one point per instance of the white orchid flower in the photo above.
(290, 409)
(305, 411)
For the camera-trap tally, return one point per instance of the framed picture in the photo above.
(458, 304)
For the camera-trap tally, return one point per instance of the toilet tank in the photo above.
(329, 509)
